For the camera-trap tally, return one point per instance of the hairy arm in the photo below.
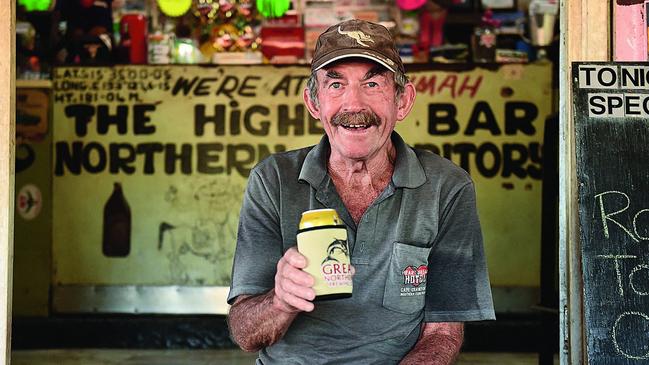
(255, 323)
(258, 321)
(438, 344)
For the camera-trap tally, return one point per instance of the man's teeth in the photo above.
(356, 126)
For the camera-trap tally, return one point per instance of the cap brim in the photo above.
(354, 53)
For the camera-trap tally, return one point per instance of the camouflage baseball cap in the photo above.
(356, 38)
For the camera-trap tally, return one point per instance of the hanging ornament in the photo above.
(245, 9)
(206, 10)
(174, 8)
(225, 6)
(37, 5)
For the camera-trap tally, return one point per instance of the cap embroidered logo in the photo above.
(359, 36)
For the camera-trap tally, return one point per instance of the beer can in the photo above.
(322, 239)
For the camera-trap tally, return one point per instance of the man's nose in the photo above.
(354, 100)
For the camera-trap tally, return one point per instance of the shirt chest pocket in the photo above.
(405, 287)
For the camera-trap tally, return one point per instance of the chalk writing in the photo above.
(631, 281)
(605, 201)
(618, 348)
(617, 268)
(607, 216)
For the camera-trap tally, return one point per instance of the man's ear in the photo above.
(310, 104)
(406, 101)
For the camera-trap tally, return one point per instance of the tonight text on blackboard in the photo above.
(621, 90)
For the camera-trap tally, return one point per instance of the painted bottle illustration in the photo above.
(116, 238)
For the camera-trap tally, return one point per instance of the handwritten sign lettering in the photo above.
(182, 140)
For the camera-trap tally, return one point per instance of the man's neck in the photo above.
(359, 182)
(368, 172)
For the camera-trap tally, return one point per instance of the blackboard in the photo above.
(611, 114)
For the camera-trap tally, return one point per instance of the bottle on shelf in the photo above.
(124, 49)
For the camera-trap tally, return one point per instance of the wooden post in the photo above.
(7, 142)
(585, 36)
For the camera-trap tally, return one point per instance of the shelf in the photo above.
(34, 83)
(464, 18)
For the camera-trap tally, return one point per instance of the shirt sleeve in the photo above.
(259, 240)
(457, 283)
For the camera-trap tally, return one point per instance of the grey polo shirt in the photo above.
(417, 252)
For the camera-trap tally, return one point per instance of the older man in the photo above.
(405, 210)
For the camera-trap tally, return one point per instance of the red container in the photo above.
(136, 26)
(282, 42)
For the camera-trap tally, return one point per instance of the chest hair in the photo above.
(359, 195)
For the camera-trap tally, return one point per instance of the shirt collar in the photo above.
(408, 172)
(314, 168)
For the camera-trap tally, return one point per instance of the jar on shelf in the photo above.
(484, 39)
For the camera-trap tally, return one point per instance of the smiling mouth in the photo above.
(356, 121)
(352, 127)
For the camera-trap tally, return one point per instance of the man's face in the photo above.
(357, 107)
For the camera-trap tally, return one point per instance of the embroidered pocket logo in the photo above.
(414, 280)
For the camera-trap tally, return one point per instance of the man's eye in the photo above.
(372, 84)
(335, 85)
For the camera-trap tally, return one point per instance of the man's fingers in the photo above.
(298, 276)
(295, 258)
(300, 304)
(299, 291)
(293, 287)
(290, 267)
(295, 281)
(293, 297)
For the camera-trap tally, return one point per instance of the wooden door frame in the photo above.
(585, 36)
(7, 143)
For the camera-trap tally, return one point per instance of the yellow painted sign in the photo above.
(150, 163)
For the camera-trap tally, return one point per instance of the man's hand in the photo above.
(257, 321)
(293, 287)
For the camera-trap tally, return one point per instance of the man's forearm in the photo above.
(256, 323)
(438, 344)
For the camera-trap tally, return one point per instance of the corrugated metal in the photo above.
(140, 299)
(136, 299)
